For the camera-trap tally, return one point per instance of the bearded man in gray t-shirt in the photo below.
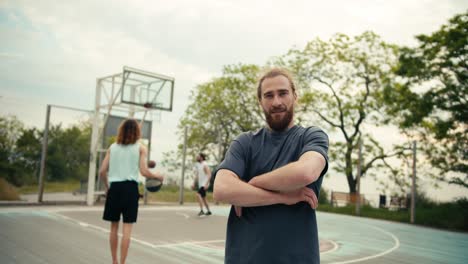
(272, 177)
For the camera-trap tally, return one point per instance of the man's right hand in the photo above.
(289, 198)
(303, 194)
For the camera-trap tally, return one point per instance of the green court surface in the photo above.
(175, 234)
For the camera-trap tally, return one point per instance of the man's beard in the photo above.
(282, 123)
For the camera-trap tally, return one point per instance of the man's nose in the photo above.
(276, 101)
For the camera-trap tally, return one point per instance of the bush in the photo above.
(423, 201)
(450, 215)
(7, 191)
(323, 196)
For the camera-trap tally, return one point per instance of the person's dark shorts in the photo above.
(122, 199)
(202, 191)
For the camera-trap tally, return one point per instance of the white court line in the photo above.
(395, 239)
(184, 215)
(335, 247)
(57, 209)
(83, 223)
(187, 243)
(142, 242)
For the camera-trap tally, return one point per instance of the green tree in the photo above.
(28, 152)
(341, 83)
(10, 131)
(20, 152)
(68, 152)
(430, 102)
(221, 109)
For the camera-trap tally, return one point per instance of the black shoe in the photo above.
(208, 213)
(201, 213)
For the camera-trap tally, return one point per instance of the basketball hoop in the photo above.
(140, 92)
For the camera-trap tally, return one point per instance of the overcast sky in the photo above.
(51, 52)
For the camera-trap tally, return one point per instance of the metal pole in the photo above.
(93, 147)
(358, 180)
(131, 112)
(150, 134)
(413, 185)
(45, 140)
(181, 190)
(220, 147)
(98, 180)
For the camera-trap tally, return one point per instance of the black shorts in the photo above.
(122, 199)
(202, 191)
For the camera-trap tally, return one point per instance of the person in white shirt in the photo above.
(203, 176)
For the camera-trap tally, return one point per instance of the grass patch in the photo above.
(7, 191)
(51, 187)
(170, 193)
(452, 215)
(367, 211)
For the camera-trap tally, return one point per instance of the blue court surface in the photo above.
(175, 234)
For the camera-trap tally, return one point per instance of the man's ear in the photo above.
(296, 100)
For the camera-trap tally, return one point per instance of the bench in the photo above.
(398, 203)
(339, 199)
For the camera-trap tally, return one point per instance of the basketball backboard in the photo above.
(150, 90)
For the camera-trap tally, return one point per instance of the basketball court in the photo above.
(174, 234)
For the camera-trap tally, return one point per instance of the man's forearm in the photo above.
(293, 176)
(229, 189)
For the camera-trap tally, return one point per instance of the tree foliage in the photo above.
(220, 109)
(341, 85)
(10, 131)
(68, 152)
(20, 152)
(430, 101)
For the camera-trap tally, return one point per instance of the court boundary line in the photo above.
(184, 215)
(142, 242)
(335, 247)
(395, 239)
(57, 213)
(169, 245)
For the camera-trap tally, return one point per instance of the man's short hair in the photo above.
(272, 74)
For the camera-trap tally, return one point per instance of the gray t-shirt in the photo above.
(275, 233)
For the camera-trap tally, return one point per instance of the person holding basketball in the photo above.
(119, 172)
(272, 177)
(203, 177)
